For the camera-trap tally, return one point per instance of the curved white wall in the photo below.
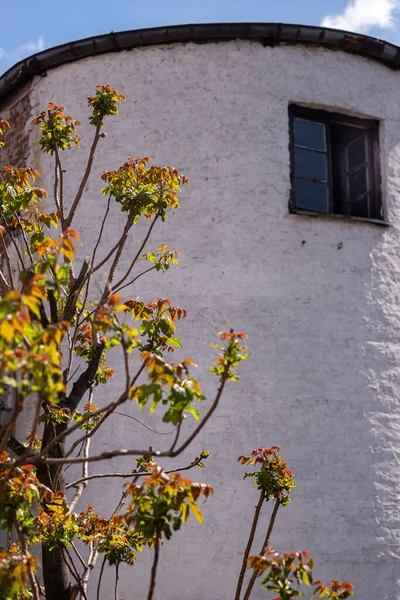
(322, 316)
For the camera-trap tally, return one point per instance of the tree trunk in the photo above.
(55, 570)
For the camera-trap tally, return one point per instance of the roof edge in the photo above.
(268, 34)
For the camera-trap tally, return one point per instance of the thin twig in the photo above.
(93, 556)
(204, 420)
(32, 580)
(56, 182)
(100, 578)
(116, 412)
(35, 423)
(115, 291)
(74, 571)
(6, 430)
(117, 257)
(101, 231)
(16, 215)
(265, 545)
(249, 545)
(142, 471)
(107, 258)
(139, 252)
(129, 475)
(73, 374)
(61, 185)
(75, 549)
(154, 567)
(7, 258)
(108, 409)
(82, 486)
(85, 177)
(4, 280)
(178, 430)
(14, 243)
(116, 582)
(123, 452)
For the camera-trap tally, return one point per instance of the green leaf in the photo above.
(193, 411)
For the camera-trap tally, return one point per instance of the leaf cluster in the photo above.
(273, 476)
(163, 502)
(230, 356)
(285, 573)
(163, 258)
(59, 131)
(14, 566)
(4, 124)
(104, 103)
(142, 190)
(171, 385)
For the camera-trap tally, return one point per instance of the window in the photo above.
(334, 164)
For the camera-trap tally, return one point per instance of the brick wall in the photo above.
(16, 149)
(16, 139)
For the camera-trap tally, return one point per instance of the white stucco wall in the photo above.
(322, 316)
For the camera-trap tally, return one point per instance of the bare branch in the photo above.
(154, 567)
(116, 582)
(139, 252)
(93, 556)
(265, 545)
(130, 475)
(61, 187)
(32, 580)
(53, 306)
(68, 220)
(178, 430)
(249, 545)
(83, 484)
(7, 259)
(116, 412)
(85, 381)
(35, 424)
(74, 572)
(115, 291)
(203, 421)
(79, 556)
(14, 243)
(108, 409)
(73, 295)
(16, 215)
(114, 265)
(109, 255)
(5, 430)
(4, 281)
(101, 232)
(56, 183)
(100, 578)
(122, 452)
(16, 446)
(78, 461)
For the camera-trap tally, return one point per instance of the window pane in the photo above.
(309, 134)
(357, 152)
(311, 195)
(358, 183)
(310, 164)
(360, 207)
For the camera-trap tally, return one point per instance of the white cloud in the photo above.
(23, 50)
(31, 47)
(363, 15)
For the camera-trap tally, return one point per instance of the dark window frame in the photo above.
(371, 128)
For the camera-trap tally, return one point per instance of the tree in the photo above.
(47, 324)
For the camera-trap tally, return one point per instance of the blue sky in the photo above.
(28, 27)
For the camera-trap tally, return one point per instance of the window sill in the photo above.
(310, 213)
